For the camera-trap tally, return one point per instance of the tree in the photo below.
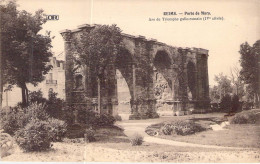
(250, 72)
(99, 48)
(224, 85)
(238, 85)
(25, 52)
(214, 94)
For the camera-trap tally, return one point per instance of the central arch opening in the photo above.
(163, 83)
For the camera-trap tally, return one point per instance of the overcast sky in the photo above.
(222, 38)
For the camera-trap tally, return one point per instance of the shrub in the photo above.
(89, 135)
(181, 128)
(151, 114)
(75, 131)
(167, 129)
(247, 105)
(89, 117)
(36, 111)
(214, 107)
(67, 116)
(12, 119)
(118, 118)
(246, 117)
(234, 103)
(54, 105)
(36, 97)
(137, 140)
(85, 116)
(225, 103)
(154, 129)
(58, 129)
(35, 136)
(105, 120)
(238, 119)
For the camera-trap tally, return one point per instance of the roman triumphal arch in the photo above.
(160, 78)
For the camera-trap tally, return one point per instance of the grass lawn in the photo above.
(234, 135)
(245, 136)
(114, 138)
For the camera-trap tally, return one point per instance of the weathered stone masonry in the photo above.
(184, 69)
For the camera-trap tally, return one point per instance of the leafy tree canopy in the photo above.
(99, 47)
(249, 60)
(224, 84)
(25, 52)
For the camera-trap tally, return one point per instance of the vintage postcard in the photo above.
(152, 81)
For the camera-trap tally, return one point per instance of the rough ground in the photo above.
(143, 156)
(91, 153)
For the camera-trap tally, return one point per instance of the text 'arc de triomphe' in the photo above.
(184, 69)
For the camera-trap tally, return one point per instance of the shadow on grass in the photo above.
(105, 134)
(112, 134)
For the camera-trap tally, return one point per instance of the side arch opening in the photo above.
(124, 81)
(191, 73)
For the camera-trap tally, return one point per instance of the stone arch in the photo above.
(138, 74)
(191, 73)
(164, 49)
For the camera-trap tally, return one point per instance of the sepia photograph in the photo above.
(130, 81)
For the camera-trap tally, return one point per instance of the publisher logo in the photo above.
(52, 17)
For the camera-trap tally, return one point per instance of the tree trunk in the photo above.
(1, 95)
(6, 98)
(99, 96)
(24, 95)
(1, 73)
(256, 100)
(27, 96)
